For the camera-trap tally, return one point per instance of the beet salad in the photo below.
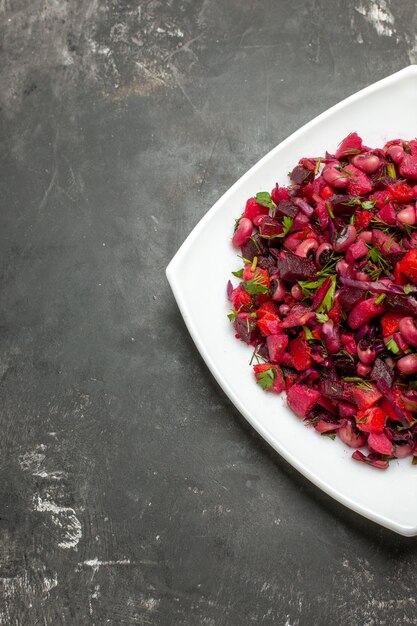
(327, 295)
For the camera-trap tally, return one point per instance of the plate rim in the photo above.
(406, 530)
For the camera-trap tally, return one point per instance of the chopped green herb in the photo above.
(367, 205)
(360, 382)
(256, 285)
(348, 355)
(309, 335)
(266, 379)
(409, 228)
(286, 223)
(391, 170)
(329, 268)
(346, 173)
(256, 356)
(380, 298)
(264, 198)
(382, 265)
(329, 210)
(410, 425)
(409, 289)
(329, 434)
(256, 244)
(327, 303)
(232, 316)
(322, 317)
(317, 168)
(238, 273)
(381, 225)
(307, 287)
(237, 223)
(351, 151)
(392, 345)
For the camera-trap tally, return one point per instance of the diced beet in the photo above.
(387, 214)
(267, 307)
(350, 297)
(390, 323)
(301, 175)
(301, 399)
(363, 219)
(408, 265)
(300, 354)
(394, 257)
(327, 404)
(332, 389)
(371, 420)
(398, 304)
(298, 316)
(323, 426)
(381, 198)
(351, 145)
(342, 205)
(279, 383)
(276, 346)
(300, 221)
(254, 247)
(270, 324)
(253, 209)
(293, 267)
(267, 263)
(401, 192)
(286, 207)
(322, 213)
(269, 228)
(394, 407)
(246, 328)
(279, 193)
(364, 312)
(379, 442)
(381, 372)
(372, 460)
(239, 298)
(384, 242)
(365, 397)
(408, 166)
(351, 436)
(359, 184)
(356, 251)
(347, 410)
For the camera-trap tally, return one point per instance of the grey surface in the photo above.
(131, 491)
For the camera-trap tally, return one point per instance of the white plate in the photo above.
(201, 268)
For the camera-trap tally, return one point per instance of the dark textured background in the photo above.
(131, 491)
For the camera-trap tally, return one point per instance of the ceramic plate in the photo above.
(380, 112)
